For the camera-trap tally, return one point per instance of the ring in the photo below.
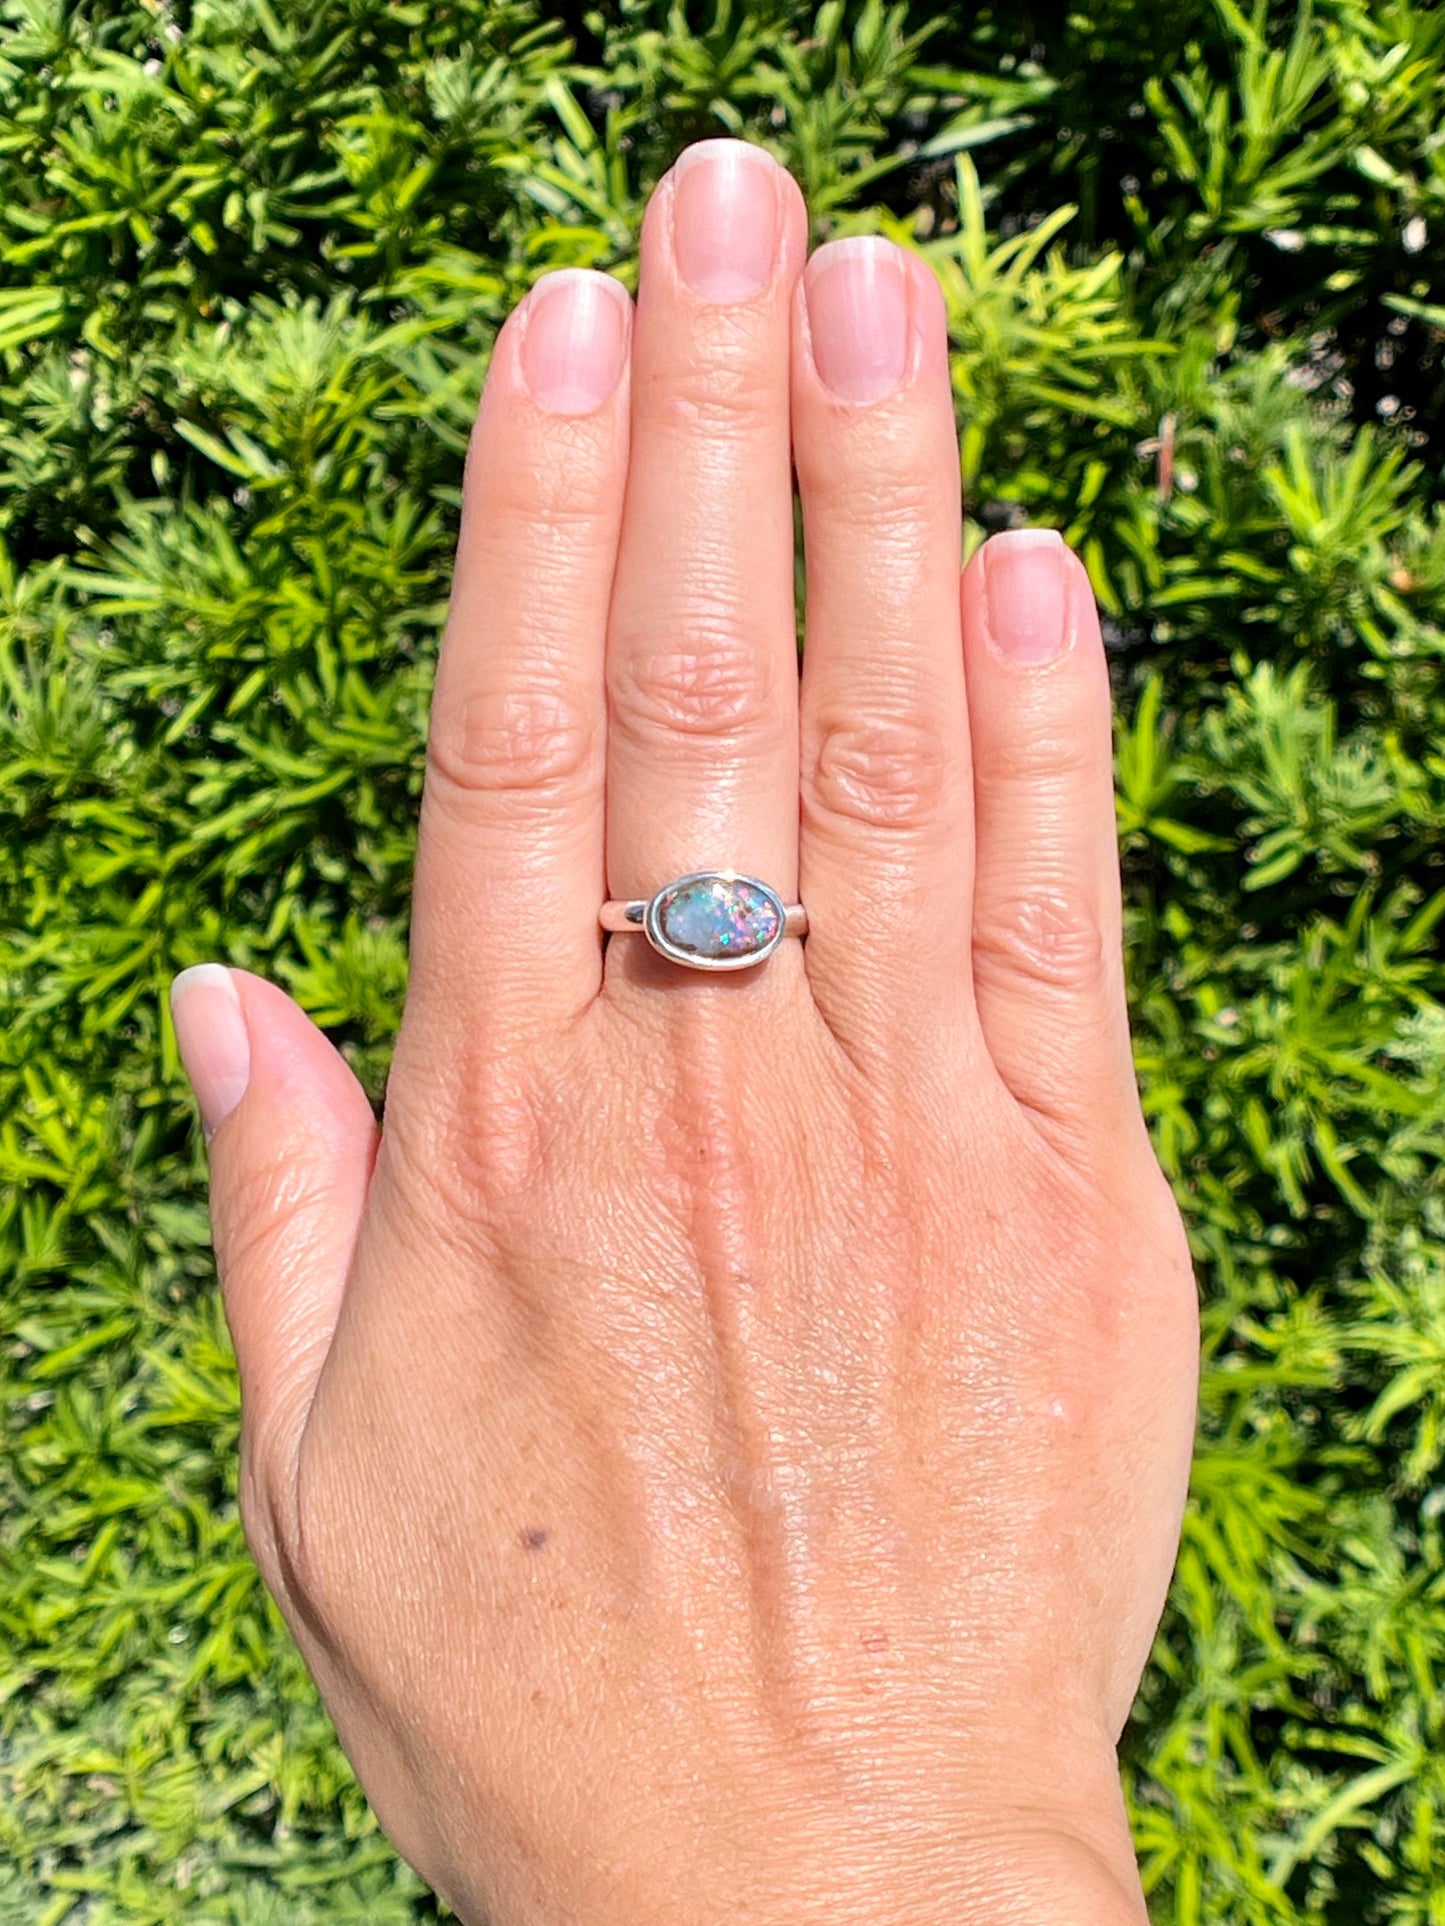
(713, 919)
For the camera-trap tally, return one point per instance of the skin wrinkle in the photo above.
(718, 609)
(706, 599)
(715, 398)
(882, 774)
(524, 743)
(713, 687)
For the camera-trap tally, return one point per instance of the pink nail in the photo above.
(725, 218)
(215, 1044)
(1026, 594)
(857, 294)
(575, 340)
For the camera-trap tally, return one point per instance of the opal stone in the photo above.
(717, 917)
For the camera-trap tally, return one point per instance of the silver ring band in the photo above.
(710, 919)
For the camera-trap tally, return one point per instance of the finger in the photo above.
(886, 838)
(702, 649)
(510, 849)
(292, 1143)
(1047, 944)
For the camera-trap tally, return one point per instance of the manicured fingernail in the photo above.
(576, 339)
(725, 218)
(857, 295)
(1026, 594)
(215, 1045)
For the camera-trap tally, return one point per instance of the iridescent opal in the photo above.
(717, 917)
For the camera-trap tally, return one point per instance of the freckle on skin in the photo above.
(534, 1537)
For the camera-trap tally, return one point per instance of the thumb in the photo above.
(292, 1142)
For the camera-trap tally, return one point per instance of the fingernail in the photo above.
(1026, 594)
(215, 1045)
(725, 217)
(575, 340)
(857, 295)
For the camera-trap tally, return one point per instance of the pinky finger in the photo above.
(1047, 940)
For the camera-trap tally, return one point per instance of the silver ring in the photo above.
(710, 919)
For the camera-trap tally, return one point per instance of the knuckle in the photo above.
(266, 1516)
(314, 1580)
(564, 488)
(274, 1520)
(1168, 1237)
(885, 496)
(711, 684)
(523, 741)
(265, 1206)
(880, 774)
(727, 391)
(1159, 1271)
(1051, 940)
(487, 1142)
(1049, 757)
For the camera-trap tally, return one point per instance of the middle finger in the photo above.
(702, 647)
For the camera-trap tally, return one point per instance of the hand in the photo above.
(721, 1449)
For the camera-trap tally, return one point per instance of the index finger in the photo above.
(510, 856)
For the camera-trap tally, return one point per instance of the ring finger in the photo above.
(702, 647)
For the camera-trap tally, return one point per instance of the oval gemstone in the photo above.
(717, 917)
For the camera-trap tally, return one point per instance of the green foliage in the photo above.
(252, 257)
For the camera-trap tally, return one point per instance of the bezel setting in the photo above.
(652, 922)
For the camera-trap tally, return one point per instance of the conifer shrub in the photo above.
(253, 254)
